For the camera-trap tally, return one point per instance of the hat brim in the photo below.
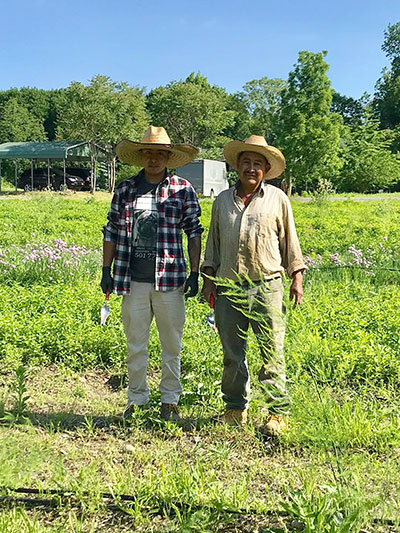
(274, 156)
(129, 152)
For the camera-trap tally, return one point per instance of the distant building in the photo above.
(207, 176)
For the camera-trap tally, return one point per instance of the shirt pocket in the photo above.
(264, 235)
(173, 211)
(265, 226)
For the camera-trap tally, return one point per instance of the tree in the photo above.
(369, 164)
(307, 132)
(351, 110)
(387, 89)
(262, 99)
(193, 112)
(102, 112)
(17, 124)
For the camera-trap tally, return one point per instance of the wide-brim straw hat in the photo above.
(155, 138)
(256, 143)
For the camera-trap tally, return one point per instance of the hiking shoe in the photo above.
(235, 417)
(169, 412)
(275, 425)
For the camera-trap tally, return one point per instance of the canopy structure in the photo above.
(55, 151)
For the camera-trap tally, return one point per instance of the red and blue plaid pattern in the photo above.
(178, 209)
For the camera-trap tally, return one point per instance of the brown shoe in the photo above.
(275, 425)
(169, 412)
(235, 417)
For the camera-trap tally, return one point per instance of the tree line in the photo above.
(329, 140)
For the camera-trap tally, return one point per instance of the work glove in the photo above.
(192, 285)
(106, 283)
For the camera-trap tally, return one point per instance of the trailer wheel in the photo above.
(212, 194)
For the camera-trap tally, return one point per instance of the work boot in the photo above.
(275, 425)
(169, 412)
(235, 417)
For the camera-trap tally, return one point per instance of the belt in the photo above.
(259, 282)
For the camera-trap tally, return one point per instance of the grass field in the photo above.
(335, 470)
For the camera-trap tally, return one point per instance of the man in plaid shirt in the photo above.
(143, 237)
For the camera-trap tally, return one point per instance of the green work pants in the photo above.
(262, 307)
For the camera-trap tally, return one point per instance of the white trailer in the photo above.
(207, 176)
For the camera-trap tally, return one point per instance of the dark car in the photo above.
(72, 181)
(40, 179)
(84, 173)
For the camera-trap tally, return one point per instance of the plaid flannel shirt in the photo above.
(177, 208)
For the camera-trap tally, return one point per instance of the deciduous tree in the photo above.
(307, 132)
(192, 111)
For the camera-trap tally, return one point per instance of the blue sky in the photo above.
(49, 43)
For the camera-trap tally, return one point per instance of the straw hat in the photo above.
(155, 137)
(256, 143)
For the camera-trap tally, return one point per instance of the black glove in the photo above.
(106, 283)
(192, 285)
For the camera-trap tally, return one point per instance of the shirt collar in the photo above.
(261, 190)
(140, 174)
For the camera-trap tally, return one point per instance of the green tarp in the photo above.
(57, 150)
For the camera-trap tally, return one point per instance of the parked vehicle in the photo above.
(208, 177)
(84, 173)
(40, 179)
(72, 181)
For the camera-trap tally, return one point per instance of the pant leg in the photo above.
(270, 333)
(136, 317)
(169, 312)
(232, 328)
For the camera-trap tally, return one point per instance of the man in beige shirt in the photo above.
(253, 241)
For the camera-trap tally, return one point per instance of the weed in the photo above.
(19, 413)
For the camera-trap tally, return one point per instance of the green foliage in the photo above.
(350, 109)
(323, 190)
(262, 99)
(307, 132)
(17, 124)
(20, 396)
(193, 112)
(330, 511)
(387, 93)
(103, 112)
(369, 164)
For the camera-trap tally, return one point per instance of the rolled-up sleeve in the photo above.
(292, 258)
(191, 215)
(110, 230)
(212, 253)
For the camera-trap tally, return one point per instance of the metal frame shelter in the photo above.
(56, 151)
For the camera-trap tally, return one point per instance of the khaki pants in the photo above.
(168, 308)
(262, 307)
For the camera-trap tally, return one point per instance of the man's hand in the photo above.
(192, 285)
(209, 288)
(106, 283)
(296, 289)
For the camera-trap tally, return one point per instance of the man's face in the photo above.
(252, 169)
(155, 161)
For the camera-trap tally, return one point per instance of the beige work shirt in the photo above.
(259, 238)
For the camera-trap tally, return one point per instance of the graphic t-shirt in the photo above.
(144, 237)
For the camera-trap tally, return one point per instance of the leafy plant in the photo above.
(20, 396)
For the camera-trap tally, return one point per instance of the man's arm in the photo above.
(296, 288)
(108, 253)
(192, 282)
(194, 249)
(107, 283)
(209, 286)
